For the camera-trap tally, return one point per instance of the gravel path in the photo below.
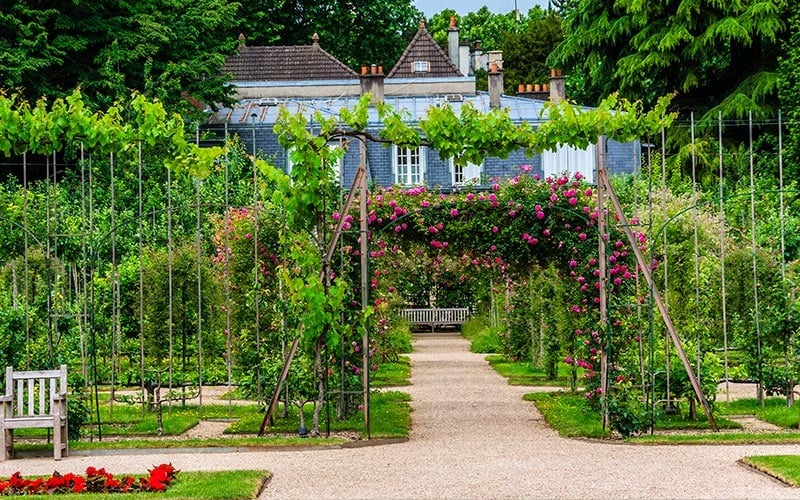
(474, 437)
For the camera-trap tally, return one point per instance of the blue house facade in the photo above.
(268, 78)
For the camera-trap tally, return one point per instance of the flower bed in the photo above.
(95, 481)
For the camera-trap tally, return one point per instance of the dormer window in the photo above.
(421, 67)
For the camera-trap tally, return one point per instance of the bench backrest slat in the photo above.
(34, 391)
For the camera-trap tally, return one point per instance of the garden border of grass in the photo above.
(566, 420)
(719, 438)
(216, 444)
(523, 374)
(242, 484)
(772, 467)
(393, 373)
(391, 423)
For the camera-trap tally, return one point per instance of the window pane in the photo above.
(409, 167)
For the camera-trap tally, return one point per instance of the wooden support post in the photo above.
(601, 258)
(273, 403)
(644, 268)
(364, 249)
(358, 180)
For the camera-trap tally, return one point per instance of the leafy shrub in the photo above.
(484, 338)
(79, 414)
(399, 336)
(487, 341)
(627, 414)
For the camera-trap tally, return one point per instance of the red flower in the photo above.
(79, 484)
(96, 480)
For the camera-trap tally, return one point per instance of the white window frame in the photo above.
(465, 174)
(409, 165)
(571, 160)
(420, 67)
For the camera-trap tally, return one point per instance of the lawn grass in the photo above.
(393, 374)
(223, 485)
(719, 438)
(568, 414)
(571, 416)
(390, 417)
(524, 373)
(773, 411)
(681, 421)
(785, 468)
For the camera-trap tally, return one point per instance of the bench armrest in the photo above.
(6, 399)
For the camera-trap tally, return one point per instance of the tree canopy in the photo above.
(789, 85)
(160, 48)
(526, 41)
(718, 56)
(357, 32)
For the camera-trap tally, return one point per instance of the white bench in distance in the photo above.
(35, 399)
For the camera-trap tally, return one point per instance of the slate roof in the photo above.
(424, 48)
(286, 63)
(415, 107)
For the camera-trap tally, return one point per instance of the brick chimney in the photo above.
(557, 90)
(372, 79)
(495, 85)
(452, 43)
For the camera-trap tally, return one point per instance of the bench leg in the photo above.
(65, 438)
(6, 444)
(57, 441)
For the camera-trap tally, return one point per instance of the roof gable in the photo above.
(424, 48)
(286, 63)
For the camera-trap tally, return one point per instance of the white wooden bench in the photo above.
(436, 317)
(35, 399)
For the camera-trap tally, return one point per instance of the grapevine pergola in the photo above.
(44, 131)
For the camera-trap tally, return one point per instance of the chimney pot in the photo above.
(452, 21)
(521, 88)
(372, 81)
(545, 87)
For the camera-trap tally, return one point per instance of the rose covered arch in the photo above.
(517, 227)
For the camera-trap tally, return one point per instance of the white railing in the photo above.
(436, 317)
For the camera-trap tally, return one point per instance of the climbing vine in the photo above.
(44, 128)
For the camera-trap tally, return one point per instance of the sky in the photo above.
(431, 7)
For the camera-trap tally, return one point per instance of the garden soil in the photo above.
(472, 437)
